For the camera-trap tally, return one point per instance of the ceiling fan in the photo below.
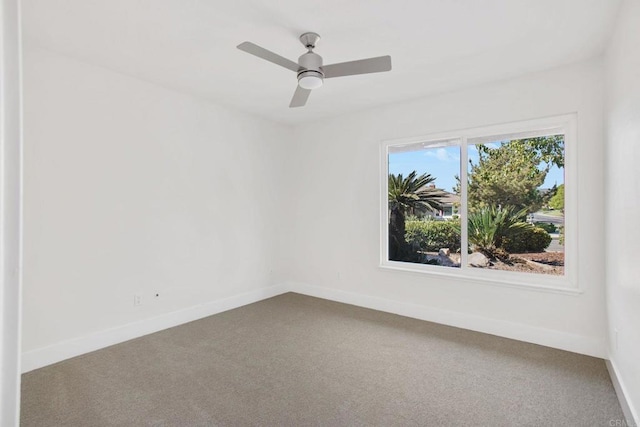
(311, 72)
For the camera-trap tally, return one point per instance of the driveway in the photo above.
(539, 217)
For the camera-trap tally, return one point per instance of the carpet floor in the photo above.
(295, 360)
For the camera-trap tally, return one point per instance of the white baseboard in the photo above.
(58, 352)
(546, 337)
(630, 413)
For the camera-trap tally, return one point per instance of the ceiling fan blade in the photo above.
(362, 66)
(300, 97)
(263, 53)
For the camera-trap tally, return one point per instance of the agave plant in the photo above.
(488, 226)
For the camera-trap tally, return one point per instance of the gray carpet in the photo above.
(294, 360)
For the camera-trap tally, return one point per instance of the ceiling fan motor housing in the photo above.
(310, 66)
(310, 62)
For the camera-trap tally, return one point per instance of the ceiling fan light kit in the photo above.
(310, 79)
(309, 69)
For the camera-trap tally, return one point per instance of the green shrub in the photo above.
(547, 226)
(431, 236)
(531, 239)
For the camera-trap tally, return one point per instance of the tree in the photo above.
(557, 201)
(406, 195)
(511, 174)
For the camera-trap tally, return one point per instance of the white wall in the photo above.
(622, 198)
(335, 224)
(134, 189)
(10, 171)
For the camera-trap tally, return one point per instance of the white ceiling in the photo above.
(435, 45)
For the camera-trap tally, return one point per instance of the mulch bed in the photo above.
(549, 258)
(541, 263)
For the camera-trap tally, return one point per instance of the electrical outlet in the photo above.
(137, 299)
(615, 339)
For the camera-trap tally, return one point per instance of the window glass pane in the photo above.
(424, 203)
(516, 204)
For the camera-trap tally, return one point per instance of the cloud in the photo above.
(442, 154)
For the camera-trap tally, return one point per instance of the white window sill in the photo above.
(518, 280)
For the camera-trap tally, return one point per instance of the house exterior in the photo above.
(450, 207)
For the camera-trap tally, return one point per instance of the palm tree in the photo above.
(408, 195)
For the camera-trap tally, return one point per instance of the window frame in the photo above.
(568, 283)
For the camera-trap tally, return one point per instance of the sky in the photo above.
(444, 164)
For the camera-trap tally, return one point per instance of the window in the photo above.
(486, 202)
